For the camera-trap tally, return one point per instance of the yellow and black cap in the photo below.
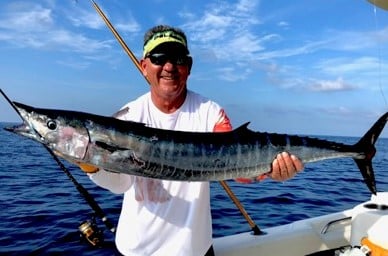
(164, 37)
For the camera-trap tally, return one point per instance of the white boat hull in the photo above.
(308, 236)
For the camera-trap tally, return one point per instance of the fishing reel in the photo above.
(91, 233)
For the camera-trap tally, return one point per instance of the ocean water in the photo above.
(41, 209)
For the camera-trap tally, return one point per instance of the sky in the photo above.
(312, 67)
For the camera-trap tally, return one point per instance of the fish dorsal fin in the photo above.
(242, 128)
(121, 112)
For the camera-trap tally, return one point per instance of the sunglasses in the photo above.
(161, 58)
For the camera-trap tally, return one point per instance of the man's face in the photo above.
(167, 70)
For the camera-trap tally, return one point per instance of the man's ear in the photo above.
(190, 64)
(143, 65)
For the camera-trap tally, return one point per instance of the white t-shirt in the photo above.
(161, 217)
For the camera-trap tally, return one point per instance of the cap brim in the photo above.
(170, 47)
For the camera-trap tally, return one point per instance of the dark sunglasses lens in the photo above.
(160, 59)
(182, 60)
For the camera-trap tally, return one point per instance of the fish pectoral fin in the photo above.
(88, 168)
(262, 177)
(246, 180)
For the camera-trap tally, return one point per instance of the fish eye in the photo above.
(51, 124)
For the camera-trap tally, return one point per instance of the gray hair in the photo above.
(161, 28)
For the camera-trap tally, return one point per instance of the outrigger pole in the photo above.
(255, 229)
(119, 39)
(383, 4)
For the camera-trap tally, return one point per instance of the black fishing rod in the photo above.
(88, 228)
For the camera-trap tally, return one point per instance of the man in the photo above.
(161, 217)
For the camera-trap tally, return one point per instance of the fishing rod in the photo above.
(255, 229)
(87, 228)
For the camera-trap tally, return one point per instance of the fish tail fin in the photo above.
(366, 168)
(366, 146)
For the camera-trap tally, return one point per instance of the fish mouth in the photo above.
(24, 130)
(19, 129)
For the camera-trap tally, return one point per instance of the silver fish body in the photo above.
(133, 148)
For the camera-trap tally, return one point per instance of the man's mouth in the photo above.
(169, 77)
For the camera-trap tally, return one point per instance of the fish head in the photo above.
(59, 130)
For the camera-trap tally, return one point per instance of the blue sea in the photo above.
(41, 209)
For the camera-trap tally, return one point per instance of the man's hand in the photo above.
(285, 166)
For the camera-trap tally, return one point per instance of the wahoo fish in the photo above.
(136, 149)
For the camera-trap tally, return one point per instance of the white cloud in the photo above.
(74, 64)
(84, 18)
(306, 48)
(347, 40)
(283, 24)
(31, 25)
(225, 29)
(232, 33)
(348, 65)
(232, 74)
(129, 27)
(331, 85)
(35, 18)
(76, 42)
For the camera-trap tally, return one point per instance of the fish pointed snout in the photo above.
(21, 128)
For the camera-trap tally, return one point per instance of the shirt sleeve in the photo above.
(117, 183)
(223, 123)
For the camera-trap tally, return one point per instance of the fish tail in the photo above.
(366, 146)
